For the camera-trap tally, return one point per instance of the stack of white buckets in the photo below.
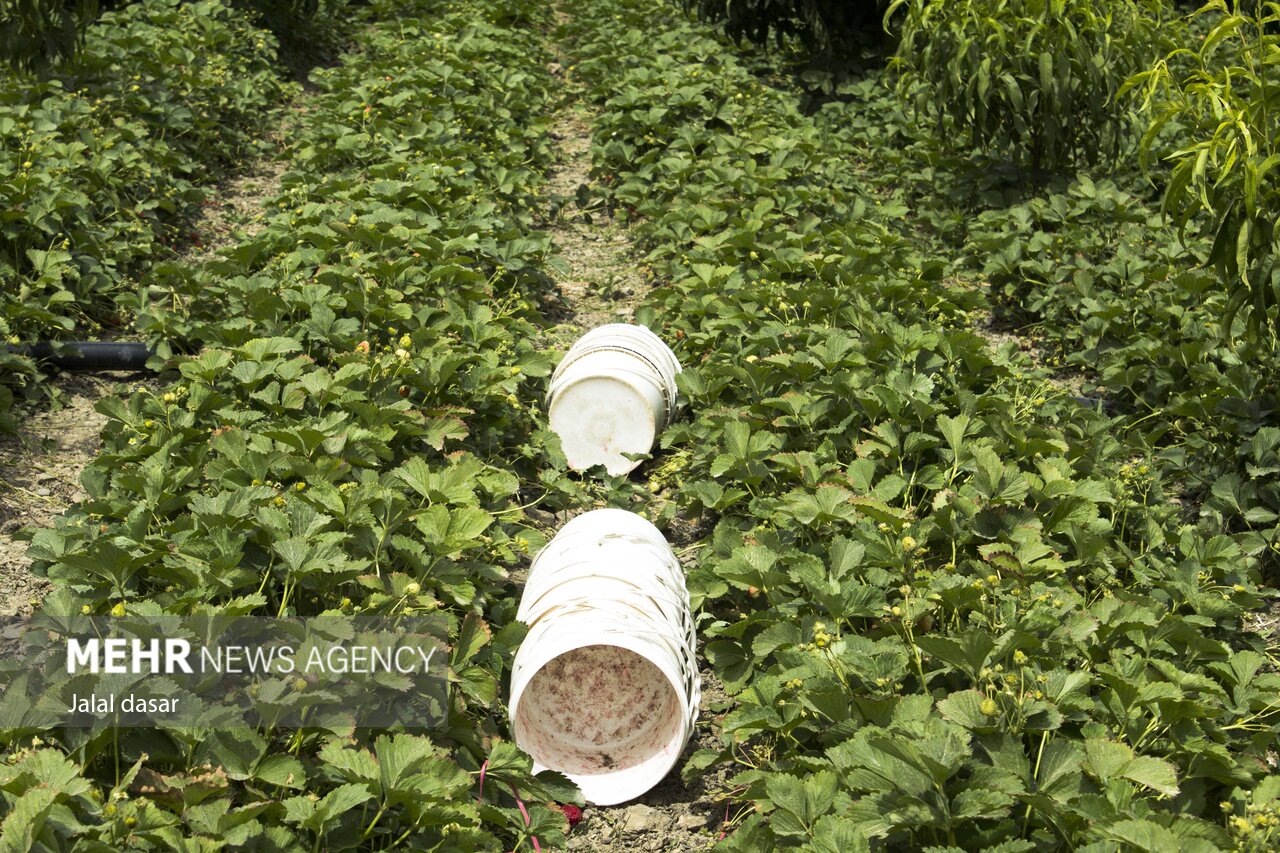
(611, 396)
(605, 686)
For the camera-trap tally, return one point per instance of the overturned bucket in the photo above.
(613, 393)
(605, 686)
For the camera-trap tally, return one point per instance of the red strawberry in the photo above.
(571, 812)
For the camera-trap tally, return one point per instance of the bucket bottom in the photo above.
(599, 419)
(598, 711)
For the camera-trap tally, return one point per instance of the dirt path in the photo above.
(603, 280)
(40, 478)
(236, 209)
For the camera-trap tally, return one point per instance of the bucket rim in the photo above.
(667, 388)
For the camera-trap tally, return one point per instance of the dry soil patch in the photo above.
(40, 470)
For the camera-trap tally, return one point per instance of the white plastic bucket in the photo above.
(605, 686)
(639, 338)
(635, 340)
(611, 395)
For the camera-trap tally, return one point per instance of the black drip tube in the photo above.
(88, 356)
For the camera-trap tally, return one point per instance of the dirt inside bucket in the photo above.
(598, 709)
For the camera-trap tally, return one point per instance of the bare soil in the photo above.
(1266, 623)
(603, 280)
(40, 470)
(674, 815)
(235, 209)
(1019, 344)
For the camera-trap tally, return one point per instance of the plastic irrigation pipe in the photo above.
(89, 355)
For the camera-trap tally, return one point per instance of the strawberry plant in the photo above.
(102, 166)
(1095, 270)
(958, 599)
(934, 589)
(345, 434)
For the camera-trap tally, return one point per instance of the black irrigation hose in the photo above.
(88, 356)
